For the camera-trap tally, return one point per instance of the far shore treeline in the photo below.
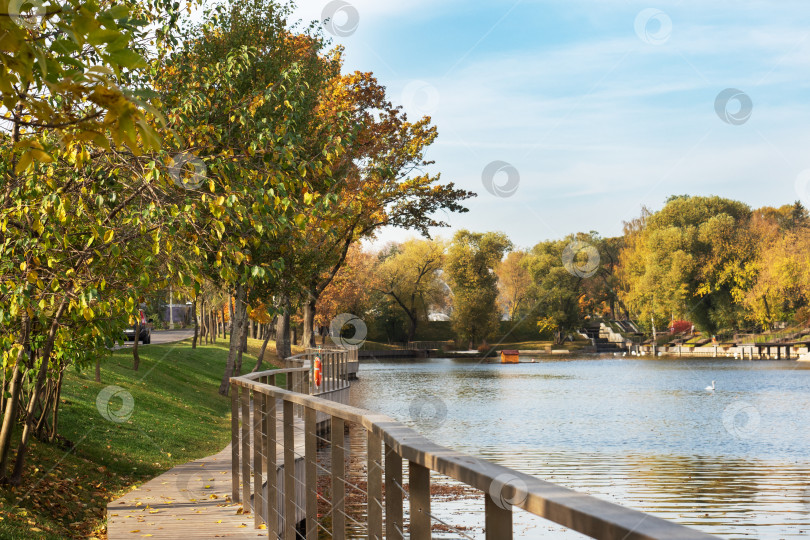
(712, 262)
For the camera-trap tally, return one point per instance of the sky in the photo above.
(570, 115)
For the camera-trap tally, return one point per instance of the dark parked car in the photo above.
(146, 330)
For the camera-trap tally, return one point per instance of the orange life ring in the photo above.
(316, 372)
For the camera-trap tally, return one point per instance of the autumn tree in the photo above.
(514, 281)
(351, 289)
(410, 275)
(470, 268)
(688, 261)
(241, 96)
(781, 269)
(382, 183)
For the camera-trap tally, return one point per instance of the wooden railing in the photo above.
(428, 345)
(258, 406)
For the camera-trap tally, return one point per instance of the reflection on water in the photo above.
(645, 434)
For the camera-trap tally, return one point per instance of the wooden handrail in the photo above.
(583, 513)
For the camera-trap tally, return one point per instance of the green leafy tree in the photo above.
(470, 268)
(242, 96)
(561, 271)
(73, 137)
(688, 261)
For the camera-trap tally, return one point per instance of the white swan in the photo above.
(710, 388)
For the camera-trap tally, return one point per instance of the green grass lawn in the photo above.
(168, 413)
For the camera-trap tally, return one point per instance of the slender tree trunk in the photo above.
(28, 426)
(235, 343)
(98, 370)
(212, 324)
(196, 324)
(231, 309)
(136, 358)
(55, 414)
(224, 328)
(243, 337)
(260, 359)
(283, 346)
(10, 414)
(310, 306)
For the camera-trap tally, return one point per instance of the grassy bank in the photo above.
(168, 413)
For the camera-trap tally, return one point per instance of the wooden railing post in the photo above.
(498, 520)
(419, 494)
(311, 474)
(338, 480)
(375, 499)
(235, 443)
(289, 472)
(393, 495)
(245, 399)
(258, 447)
(270, 449)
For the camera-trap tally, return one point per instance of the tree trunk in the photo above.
(136, 358)
(243, 337)
(412, 327)
(98, 370)
(283, 346)
(308, 337)
(260, 359)
(235, 343)
(224, 328)
(55, 414)
(10, 414)
(231, 309)
(28, 426)
(212, 323)
(196, 324)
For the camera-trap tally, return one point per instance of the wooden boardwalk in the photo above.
(189, 501)
(193, 500)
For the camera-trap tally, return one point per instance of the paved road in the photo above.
(165, 336)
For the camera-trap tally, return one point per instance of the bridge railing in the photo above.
(258, 405)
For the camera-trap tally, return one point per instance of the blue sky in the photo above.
(600, 106)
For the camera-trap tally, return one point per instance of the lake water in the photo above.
(642, 433)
